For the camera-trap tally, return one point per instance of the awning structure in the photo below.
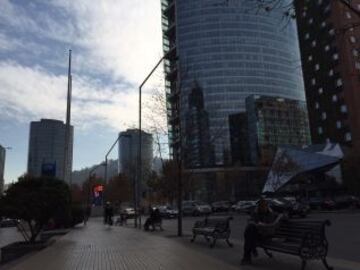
(290, 162)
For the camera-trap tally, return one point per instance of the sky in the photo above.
(114, 43)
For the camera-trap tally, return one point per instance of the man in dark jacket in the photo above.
(261, 226)
(108, 214)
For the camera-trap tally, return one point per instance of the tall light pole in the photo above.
(139, 177)
(106, 158)
(67, 125)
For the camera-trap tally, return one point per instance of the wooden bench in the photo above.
(215, 228)
(303, 238)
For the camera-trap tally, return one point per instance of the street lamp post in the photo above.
(139, 177)
(106, 159)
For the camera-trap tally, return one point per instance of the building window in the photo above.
(358, 6)
(323, 24)
(331, 72)
(307, 36)
(348, 15)
(343, 109)
(348, 136)
(335, 56)
(317, 105)
(334, 98)
(304, 14)
(332, 31)
(313, 81)
(355, 52)
(339, 82)
(327, 48)
(320, 130)
(338, 124)
(323, 116)
(311, 20)
(320, 90)
(317, 67)
(319, 2)
(357, 65)
(352, 39)
(310, 58)
(313, 43)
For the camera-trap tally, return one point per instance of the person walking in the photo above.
(87, 213)
(108, 214)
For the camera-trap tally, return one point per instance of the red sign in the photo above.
(98, 188)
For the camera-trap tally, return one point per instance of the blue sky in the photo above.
(115, 43)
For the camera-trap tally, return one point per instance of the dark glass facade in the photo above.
(232, 52)
(198, 150)
(272, 122)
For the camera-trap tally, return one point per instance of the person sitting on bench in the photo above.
(154, 218)
(261, 227)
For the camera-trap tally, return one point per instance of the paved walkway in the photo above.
(98, 247)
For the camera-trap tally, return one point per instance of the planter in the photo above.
(18, 249)
(46, 235)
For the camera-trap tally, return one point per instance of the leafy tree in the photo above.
(36, 200)
(87, 188)
(77, 195)
(119, 189)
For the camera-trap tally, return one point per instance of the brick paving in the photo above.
(98, 247)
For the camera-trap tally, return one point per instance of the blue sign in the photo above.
(48, 169)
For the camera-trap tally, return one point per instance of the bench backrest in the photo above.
(222, 224)
(312, 231)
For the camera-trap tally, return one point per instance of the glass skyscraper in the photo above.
(47, 149)
(231, 51)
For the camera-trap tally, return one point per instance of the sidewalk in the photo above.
(98, 247)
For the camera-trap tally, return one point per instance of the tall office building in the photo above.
(47, 149)
(231, 51)
(2, 168)
(273, 122)
(269, 122)
(329, 42)
(129, 152)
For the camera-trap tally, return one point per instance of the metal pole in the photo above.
(67, 124)
(106, 157)
(180, 164)
(139, 158)
(139, 174)
(106, 165)
(180, 195)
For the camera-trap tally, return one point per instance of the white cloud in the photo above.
(120, 39)
(121, 36)
(32, 93)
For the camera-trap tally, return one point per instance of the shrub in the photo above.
(36, 200)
